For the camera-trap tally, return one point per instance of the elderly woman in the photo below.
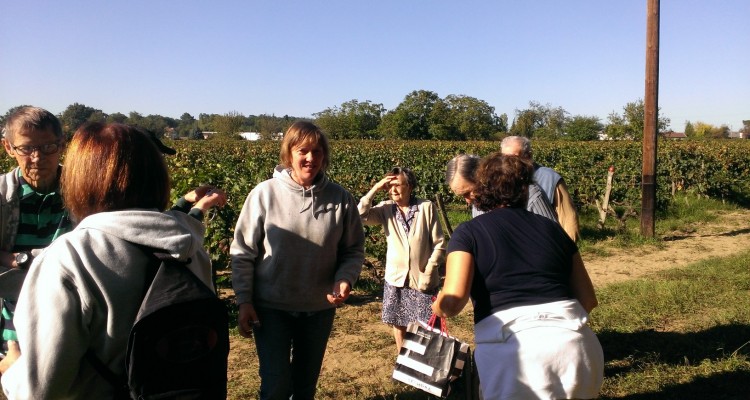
(83, 292)
(530, 290)
(415, 249)
(298, 249)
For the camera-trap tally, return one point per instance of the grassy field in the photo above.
(682, 333)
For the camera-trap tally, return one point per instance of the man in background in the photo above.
(31, 208)
(551, 182)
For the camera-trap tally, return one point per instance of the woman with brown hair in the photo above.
(83, 292)
(298, 249)
(530, 290)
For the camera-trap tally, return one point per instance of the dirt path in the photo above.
(360, 354)
(730, 234)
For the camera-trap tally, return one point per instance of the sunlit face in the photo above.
(463, 188)
(39, 170)
(307, 160)
(399, 190)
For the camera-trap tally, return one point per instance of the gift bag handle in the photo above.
(443, 325)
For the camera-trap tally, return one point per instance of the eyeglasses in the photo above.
(45, 149)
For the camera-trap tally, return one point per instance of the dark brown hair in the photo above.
(300, 133)
(113, 167)
(411, 179)
(502, 181)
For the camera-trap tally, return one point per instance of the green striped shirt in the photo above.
(42, 218)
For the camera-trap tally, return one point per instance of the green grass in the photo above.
(678, 334)
(683, 334)
(682, 216)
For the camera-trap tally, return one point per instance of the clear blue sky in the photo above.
(300, 57)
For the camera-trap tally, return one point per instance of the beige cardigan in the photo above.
(411, 259)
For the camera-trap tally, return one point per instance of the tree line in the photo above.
(422, 115)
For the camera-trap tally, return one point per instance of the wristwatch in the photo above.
(22, 259)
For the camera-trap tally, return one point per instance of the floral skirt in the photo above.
(402, 305)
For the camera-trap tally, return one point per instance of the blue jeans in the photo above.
(290, 347)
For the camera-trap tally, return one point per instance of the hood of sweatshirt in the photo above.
(284, 175)
(175, 232)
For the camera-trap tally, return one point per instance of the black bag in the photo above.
(429, 359)
(179, 342)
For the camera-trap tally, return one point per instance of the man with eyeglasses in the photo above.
(31, 208)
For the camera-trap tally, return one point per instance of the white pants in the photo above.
(543, 351)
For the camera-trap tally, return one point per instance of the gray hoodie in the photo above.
(291, 244)
(83, 292)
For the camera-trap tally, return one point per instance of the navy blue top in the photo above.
(520, 258)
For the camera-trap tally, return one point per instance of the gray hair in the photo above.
(31, 118)
(523, 142)
(465, 165)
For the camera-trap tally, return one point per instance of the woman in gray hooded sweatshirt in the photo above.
(83, 292)
(298, 249)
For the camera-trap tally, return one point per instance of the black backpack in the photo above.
(179, 342)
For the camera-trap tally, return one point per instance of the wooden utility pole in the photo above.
(650, 123)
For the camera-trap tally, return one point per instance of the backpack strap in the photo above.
(119, 383)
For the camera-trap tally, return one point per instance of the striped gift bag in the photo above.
(430, 359)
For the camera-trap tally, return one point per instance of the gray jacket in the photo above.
(9, 209)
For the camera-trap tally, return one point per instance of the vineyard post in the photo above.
(605, 201)
(650, 116)
(444, 214)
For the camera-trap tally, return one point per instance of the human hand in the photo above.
(212, 198)
(14, 351)
(424, 282)
(385, 183)
(7, 259)
(247, 319)
(196, 194)
(341, 291)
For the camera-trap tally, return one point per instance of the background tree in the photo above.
(721, 132)
(76, 115)
(630, 124)
(117, 117)
(7, 114)
(186, 125)
(539, 121)
(229, 125)
(502, 123)
(745, 129)
(469, 117)
(581, 127)
(708, 131)
(353, 120)
(271, 127)
(412, 118)
(689, 130)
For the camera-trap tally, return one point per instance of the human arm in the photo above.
(351, 247)
(567, 215)
(14, 351)
(370, 215)
(580, 284)
(8, 259)
(341, 291)
(429, 279)
(246, 319)
(198, 201)
(459, 273)
(246, 246)
(52, 320)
